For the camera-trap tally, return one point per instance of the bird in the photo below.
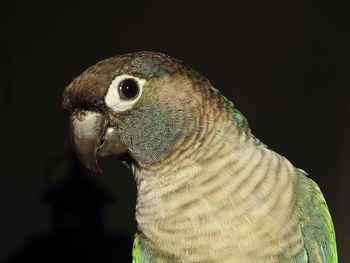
(207, 189)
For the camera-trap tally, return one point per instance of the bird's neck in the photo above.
(213, 188)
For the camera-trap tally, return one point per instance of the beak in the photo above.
(93, 138)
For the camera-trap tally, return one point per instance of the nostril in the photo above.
(81, 115)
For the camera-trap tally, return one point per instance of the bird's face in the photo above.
(137, 105)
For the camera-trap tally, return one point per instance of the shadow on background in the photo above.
(77, 224)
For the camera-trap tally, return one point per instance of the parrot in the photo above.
(207, 189)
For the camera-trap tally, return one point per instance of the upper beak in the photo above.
(93, 137)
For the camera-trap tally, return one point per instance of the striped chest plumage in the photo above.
(222, 204)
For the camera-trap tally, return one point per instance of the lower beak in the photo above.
(93, 138)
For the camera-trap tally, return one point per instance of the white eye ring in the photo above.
(113, 99)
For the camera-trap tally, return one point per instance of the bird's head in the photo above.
(137, 107)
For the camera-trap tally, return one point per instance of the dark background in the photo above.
(285, 64)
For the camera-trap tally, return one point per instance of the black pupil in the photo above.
(129, 89)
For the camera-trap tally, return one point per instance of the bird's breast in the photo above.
(240, 203)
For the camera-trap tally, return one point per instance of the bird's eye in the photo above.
(128, 89)
(124, 92)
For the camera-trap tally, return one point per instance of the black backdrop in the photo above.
(285, 64)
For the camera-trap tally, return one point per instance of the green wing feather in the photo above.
(316, 224)
(136, 250)
(140, 252)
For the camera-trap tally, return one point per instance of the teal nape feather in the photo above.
(214, 194)
(238, 116)
(240, 119)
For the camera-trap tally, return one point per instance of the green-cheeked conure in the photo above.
(207, 189)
